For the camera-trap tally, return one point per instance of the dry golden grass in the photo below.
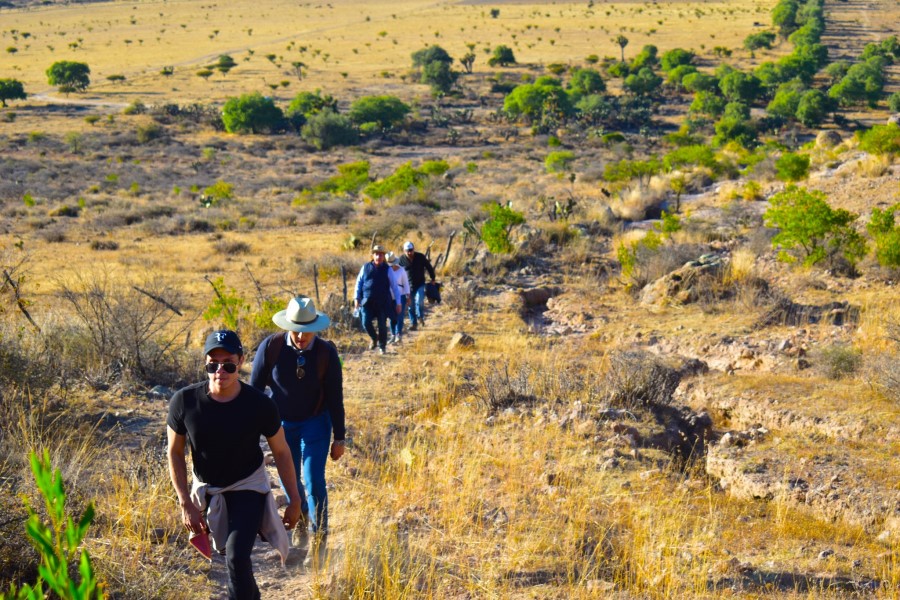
(467, 477)
(364, 40)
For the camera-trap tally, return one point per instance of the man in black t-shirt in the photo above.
(222, 420)
(416, 264)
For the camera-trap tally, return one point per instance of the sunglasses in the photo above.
(212, 367)
(301, 362)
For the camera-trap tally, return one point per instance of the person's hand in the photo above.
(337, 450)
(399, 309)
(192, 519)
(291, 515)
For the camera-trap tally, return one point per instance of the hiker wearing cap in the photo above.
(377, 294)
(416, 264)
(303, 372)
(399, 275)
(221, 420)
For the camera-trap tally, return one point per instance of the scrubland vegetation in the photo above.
(670, 230)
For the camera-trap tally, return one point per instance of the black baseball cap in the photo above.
(225, 339)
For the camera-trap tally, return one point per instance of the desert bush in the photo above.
(838, 361)
(809, 225)
(251, 113)
(384, 111)
(559, 162)
(792, 167)
(327, 129)
(404, 179)
(124, 327)
(147, 132)
(884, 231)
(881, 139)
(335, 212)
(635, 379)
(69, 76)
(462, 296)
(505, 386)
(231, 247)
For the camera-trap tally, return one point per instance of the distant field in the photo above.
(344, 45)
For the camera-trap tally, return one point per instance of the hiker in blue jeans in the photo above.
(416, 264)
(303, 372)
(399, 275)
(376, 293)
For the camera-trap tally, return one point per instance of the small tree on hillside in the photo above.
(381, 111)
(503, 56)
(621, 41)
(467, 61)
(251, 113)
(224, 64)
(327, 129)
(430, 54)
(69, 76)
(11, 89)
(807, 224)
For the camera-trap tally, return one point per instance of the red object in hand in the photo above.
(200, 541)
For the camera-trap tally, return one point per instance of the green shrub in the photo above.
(404, 179)
(838, 361)
(251, 113)
(57, 543)
(327, 129)
(385, 111)
(883, 229)
(894, 102)
(792, 167)
(496, 230)
(559, 162)
(227, 306)
(351, 178)
(881, 139)
(219, 192)
(810, 226)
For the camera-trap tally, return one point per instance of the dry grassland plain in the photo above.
(504, 470)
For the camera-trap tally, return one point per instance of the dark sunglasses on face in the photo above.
(212, 367)
(301, 362)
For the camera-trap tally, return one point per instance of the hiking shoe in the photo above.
(300, 537)
(373, 345)
(317, 557)
(381, 351)
(392, 339)
(414, 326)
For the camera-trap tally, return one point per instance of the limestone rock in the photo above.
(460, 339)
(679, 286)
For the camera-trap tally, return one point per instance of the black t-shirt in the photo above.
(223, 436)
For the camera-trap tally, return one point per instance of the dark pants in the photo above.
(371, 312)
(245, 513)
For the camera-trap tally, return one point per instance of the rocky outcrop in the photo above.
(681, 286)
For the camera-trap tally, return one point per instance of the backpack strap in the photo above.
(273, 349)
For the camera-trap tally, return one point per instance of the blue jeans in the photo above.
(417, 304)
(370, 314)
(397, 320)
(310, 441)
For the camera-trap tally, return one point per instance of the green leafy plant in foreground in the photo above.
(57, 543)
(807, 223)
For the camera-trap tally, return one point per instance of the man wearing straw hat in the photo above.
(304, 375)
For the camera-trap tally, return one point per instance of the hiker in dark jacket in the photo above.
(376, 294)
(304, 375)
(416, 264)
